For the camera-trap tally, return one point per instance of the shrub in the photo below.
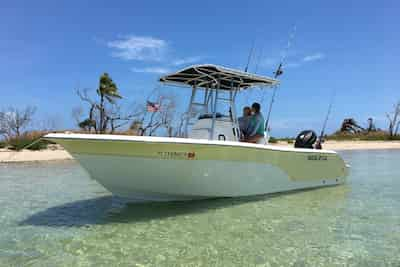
(24, 141)
(126, 132)
(290, 141)
(3, 144)
(395, 138)
(273, 140)
(364, 136)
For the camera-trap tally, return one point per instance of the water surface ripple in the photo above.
(53, 214)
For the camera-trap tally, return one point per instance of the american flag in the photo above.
(152, 107)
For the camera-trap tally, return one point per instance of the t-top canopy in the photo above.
(208, 76)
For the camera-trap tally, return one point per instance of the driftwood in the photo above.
(350, 125)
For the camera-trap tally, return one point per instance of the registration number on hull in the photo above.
(317, 157)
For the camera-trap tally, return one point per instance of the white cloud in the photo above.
(147, 48)
(187, 60)
(156, 70)
(292, 65)
(274, 63)
(313, 57)
(306, 59)
(138, 48)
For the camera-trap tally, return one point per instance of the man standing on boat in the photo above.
(256, 127)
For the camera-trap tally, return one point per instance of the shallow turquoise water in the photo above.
(53, 214)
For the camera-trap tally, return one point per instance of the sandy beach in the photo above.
(58, 153)
(53, 153)
(354, 145)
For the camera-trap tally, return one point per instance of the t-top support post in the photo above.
(214, 110)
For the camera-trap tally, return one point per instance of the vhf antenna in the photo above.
(260, 55)
(278, 72)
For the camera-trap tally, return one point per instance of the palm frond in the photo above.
(110, 99)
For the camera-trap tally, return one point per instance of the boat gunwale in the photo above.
(182, 141)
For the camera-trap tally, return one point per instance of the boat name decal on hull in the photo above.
(176, 155)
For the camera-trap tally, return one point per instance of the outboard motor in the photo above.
(306, 139)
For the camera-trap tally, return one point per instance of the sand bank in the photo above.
(353, 145)
(57, 153)
(31, 156)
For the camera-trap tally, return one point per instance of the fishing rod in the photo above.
(318, 145)
(250, 56)
(278, 72)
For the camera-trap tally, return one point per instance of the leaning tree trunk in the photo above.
(105, 123)
(112, 124)
(102, 113)
(91, 119)
(395, 123)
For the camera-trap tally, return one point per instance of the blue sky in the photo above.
(48, 48)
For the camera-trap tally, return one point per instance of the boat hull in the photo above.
(181, 169)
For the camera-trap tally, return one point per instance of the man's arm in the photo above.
(253, 130)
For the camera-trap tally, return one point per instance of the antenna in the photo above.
(260, 55)
(278, 72)
(250, 55)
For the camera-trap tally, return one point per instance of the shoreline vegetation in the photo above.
(56, 153)
(102, 113)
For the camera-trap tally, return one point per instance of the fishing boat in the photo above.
(209, 160)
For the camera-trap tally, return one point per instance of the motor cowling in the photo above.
(306, 139)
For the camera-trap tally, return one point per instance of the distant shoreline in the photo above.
(353, 145)
(59, 154)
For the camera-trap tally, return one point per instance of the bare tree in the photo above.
(149, 125)
(166, 115)
(49, 123)
(90, 122)
(3, 126)
(118, 119)
(169, 115)
(161, 118)
(77, 114)
(135, 126)
(371, 125)
(14, 120)
(108, 115)
(394, 120)
(179, 128)
(108, 93)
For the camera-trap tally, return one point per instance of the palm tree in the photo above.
(107, 90)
